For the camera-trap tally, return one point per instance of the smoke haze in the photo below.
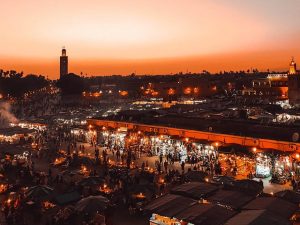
(6, 117)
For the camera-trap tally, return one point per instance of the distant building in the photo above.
(274, 87)
(63, 63)
(294, 84)
(183, 88)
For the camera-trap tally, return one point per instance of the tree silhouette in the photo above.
(71, 84)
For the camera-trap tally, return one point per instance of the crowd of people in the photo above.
(128, 168)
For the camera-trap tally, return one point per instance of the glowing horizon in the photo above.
(149, 37)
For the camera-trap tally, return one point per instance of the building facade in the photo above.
(274, 87)
(183, 88)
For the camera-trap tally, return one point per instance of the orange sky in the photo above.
(148, 37)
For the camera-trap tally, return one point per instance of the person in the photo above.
(293, 184)
(97, 153)
(69, 150)
(61, 179)
(218, 169)
(118, 155)
(128, 161)
(166, 165)
(182, 166)
(158, 167)
(32, 166)
(143, 166)
(250, 175)
(193, 160)
(261, 182)
(49, 172)
(234, 171)
(162, 188)
(104, 154)
(169, 156)
(160, 158)
(172, 160)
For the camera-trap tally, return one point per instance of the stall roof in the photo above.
(289, 195)
(233, 199)
(206, 214)
(273, 205)
(257, 217)
(13, 149)
(194, 175)
(250, 187)
(67, 198)
(195, 190)
(169, 205)
(9, 131)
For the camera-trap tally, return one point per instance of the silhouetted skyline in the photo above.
(149, 37)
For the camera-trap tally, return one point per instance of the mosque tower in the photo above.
(293, 85)
(63, 62)
(293, 67)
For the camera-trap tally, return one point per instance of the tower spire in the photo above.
(63, 51)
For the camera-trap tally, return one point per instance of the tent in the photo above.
(92, 204)
(147, 189)
(288, 195)
(71, 175)
(251, 187)
(257, 217)
(91, 181)
(67, 198)
(230, 198)
(195, 190)
(39, 193)
(66, 212)
(13, 149)
(196, 175)
(273, 205)
(226, 180)
(169, 205)
(86, 161)
(205, 214)
(10, 131)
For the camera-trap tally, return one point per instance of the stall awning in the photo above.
(195, 190)
(273, 205)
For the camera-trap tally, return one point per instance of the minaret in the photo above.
(63, 62)
(294, 85)
(293, 67)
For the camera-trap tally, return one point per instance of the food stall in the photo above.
(163, 220)
(262, 166)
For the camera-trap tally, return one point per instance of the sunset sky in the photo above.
(148, 36)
